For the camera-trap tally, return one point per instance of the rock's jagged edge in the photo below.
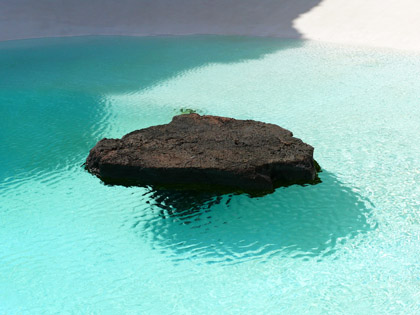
(256, 181)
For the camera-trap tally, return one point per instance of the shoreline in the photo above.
(370, 23)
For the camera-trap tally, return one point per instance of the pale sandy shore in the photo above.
(378, 23)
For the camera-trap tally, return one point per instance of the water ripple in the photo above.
(297, 221)
(70, 244)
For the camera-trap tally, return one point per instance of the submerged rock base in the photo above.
(205, 153)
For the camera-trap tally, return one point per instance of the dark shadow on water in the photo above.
(296, 221)
(53, 105)
(113, 64)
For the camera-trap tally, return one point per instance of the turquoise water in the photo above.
(69, 244)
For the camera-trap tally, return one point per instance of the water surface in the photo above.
(69, 244)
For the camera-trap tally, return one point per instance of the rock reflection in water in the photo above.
(296, 221)
(184, 204)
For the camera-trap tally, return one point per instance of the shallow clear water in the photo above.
(69, 244)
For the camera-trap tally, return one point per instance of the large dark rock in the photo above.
(205, 152)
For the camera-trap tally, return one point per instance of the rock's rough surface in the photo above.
(205, 152)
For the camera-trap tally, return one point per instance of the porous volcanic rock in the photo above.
(205, 152)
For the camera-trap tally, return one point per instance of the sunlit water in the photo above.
(69, 244)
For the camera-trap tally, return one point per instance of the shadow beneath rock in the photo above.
(295, 221)
(182, 204)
